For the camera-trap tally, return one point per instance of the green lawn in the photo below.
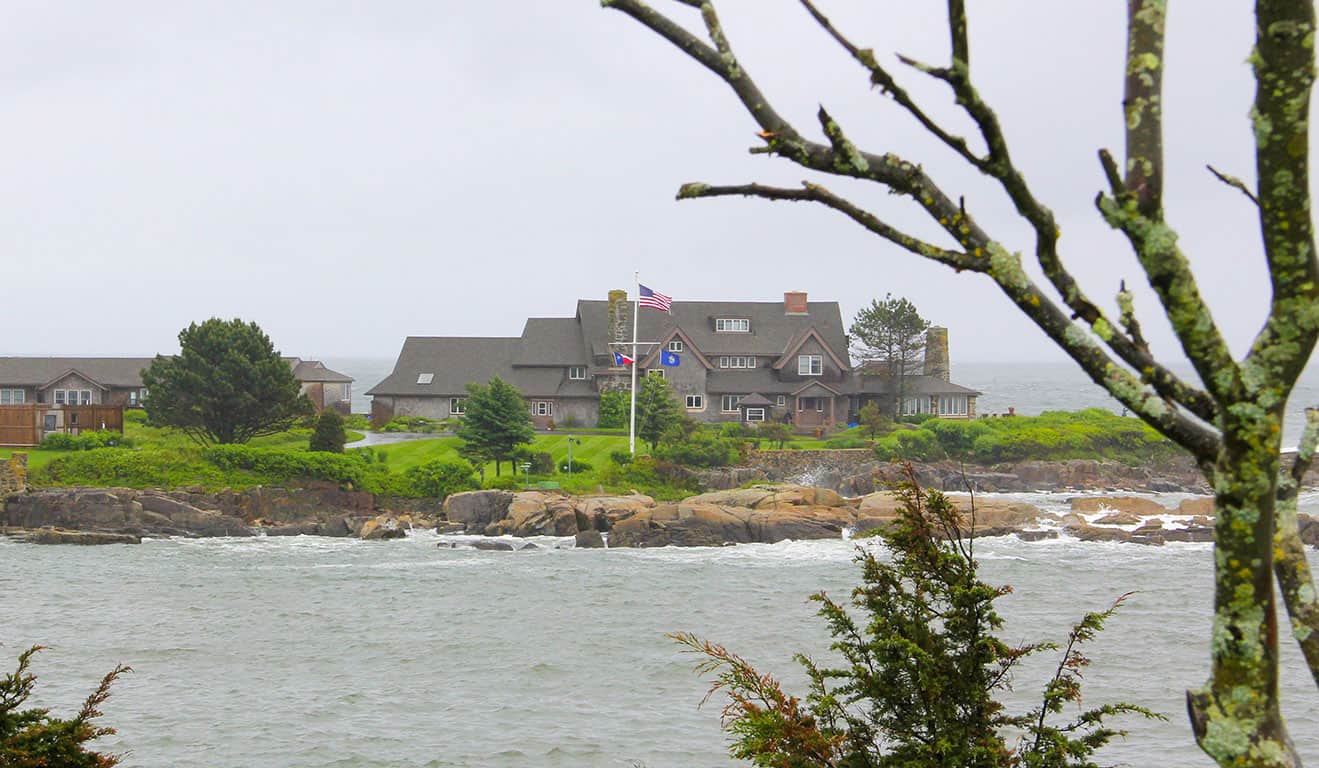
(594, 449)
(159, 438)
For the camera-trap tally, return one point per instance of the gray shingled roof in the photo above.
(108, 371)
(554, 341)
(454, 361)
(771, 327)
(912, 385)
(315, 371)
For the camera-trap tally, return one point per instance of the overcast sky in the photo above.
(347, 174)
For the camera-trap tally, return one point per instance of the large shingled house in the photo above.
(737, 361)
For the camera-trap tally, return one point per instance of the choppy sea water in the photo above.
(331, 652)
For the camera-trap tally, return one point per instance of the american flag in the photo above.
(654, 299)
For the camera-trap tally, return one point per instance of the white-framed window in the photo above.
(425, 378)
(952, 405)
(456, 406)
(675, 345)
(12, 397)
(728, 403)
(696, 402)
(656, 372)
(914, 405)
(810, 404)
(755, 414)
(542, 408)
(810, 365)
(577, 372)
(737, 361)
(73, 397)
(732, 325)
(781, 401)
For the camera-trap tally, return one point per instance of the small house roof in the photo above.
(755, 399)
(105, 371)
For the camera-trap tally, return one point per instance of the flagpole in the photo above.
(636, 310)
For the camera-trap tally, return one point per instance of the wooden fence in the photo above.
(25, 425)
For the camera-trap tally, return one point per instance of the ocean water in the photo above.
(274, 652)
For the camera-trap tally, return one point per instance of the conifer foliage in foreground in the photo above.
(921, 669)
(31, 738)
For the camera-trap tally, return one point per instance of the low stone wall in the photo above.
(13, 474)
(857, 471)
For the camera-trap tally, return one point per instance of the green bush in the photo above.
(438, 479)
(542, 463)
(130, 469)
(577, 465)
(505, 483)
(613, 410)
(329, 435)
(135, 416)
(280, 466)
(621, 458)
(839, 443)
(412, 424)
(357, 421)
(703, 448)
(917, 418)
(87, 441)
(732, 429)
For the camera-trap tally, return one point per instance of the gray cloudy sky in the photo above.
(347, 174)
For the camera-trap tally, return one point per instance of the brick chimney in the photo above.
(936, 353)
(794, 303)
(619, 320)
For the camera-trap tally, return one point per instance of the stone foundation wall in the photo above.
(13, 474)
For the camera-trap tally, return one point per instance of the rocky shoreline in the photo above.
(765, 501)
(765, 513)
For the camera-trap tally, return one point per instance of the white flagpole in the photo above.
(636, 311)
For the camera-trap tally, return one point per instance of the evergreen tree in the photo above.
(495, 421)
(329, 434)
(31, 738)
(228, 384)
(891, 334)
(613, 410)
(657, 409)
(924, 669)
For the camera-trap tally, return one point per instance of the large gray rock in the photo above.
(477, 509)
(590, 539)
(60, 536)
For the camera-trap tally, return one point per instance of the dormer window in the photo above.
(810, 365)
(425, 378)
(732, 325)
(675, 345)
(577, 372)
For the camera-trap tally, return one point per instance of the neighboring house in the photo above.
(737, 361)
(324, 387)
(118, 381)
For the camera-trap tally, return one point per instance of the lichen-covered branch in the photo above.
(1136, 205)
(1289, 564)
(1235, 183)
(1284, 65)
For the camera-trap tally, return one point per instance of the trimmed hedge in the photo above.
(87, 441)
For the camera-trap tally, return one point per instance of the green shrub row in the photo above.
(59, 441)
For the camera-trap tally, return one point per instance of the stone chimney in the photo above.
(936, 353)
(618, 316)
(794, 303)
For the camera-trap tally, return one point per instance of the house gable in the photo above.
(796, 344)
(688, 346)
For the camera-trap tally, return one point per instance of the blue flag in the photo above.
(668, 358)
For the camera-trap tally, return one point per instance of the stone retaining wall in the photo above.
(13, 474)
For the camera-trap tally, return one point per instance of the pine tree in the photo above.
(657, 409)
(329, 435)
(495, 421)
(228, 384)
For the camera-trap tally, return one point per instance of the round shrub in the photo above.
(442, 477)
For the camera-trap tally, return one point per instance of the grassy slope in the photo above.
(595, 450)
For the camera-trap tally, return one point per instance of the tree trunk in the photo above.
(1236, 716)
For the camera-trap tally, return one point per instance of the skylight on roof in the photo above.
(425, 378)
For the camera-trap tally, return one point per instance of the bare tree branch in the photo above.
(1235, 183)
